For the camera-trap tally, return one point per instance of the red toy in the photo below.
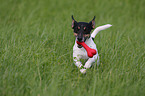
(91, 52)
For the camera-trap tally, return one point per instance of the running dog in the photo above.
(82, 32)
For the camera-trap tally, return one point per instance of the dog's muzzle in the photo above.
(81, 38)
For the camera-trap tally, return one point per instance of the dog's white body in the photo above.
(81, 53)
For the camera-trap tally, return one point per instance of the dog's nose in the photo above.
(79, 39)
(80, 36)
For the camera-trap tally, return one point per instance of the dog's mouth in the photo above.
(80, 40)
(80, 46)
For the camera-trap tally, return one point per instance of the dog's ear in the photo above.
(92, 23)
(73, 22)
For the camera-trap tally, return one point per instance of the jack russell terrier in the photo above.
(82, 32)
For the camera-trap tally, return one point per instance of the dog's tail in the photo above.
(94, 33)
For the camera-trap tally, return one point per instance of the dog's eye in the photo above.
(78, 28)
(84, 28)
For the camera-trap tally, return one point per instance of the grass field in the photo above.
(36, 43)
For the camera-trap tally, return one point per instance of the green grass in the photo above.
(36, 43)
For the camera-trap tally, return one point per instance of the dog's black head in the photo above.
(82, 30)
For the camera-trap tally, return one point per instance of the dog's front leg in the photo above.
(90, 61)
(77, 61)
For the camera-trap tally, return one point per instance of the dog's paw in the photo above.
(83, 71)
